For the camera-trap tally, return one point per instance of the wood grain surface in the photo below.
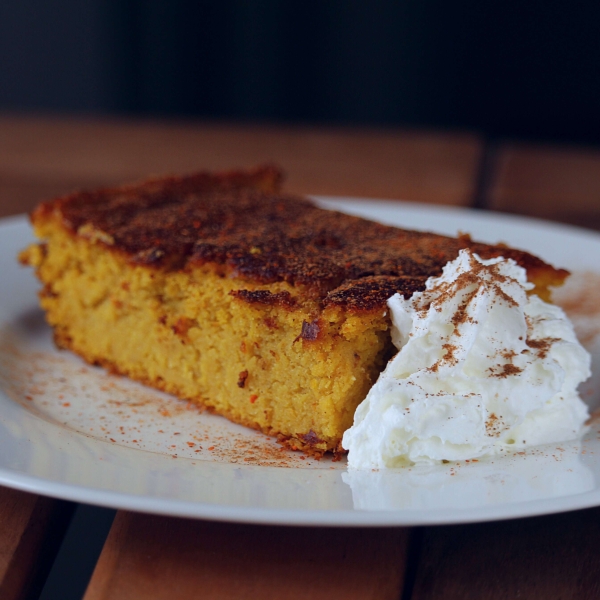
(543, 558)
(159, 558)
(31, 529)
(44, 157)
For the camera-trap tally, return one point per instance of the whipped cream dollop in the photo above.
(483, 368)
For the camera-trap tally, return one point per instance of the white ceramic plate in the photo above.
(72, 431)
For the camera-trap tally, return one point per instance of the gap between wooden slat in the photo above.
(485, 176)
(76, 560)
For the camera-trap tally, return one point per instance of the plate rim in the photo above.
(299, 517)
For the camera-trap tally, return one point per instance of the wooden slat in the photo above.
(545, 558)
(42, 157)
(156, 558)
(31, 529)
(555, 183)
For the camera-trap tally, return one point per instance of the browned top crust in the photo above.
(239, 221)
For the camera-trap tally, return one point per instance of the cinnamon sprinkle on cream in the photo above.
(483, 368)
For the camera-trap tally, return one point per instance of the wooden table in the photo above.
(150, 558)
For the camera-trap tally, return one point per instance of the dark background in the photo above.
(527, 69)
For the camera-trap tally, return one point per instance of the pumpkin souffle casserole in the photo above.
(220, 289)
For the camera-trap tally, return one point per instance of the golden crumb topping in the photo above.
(238, 220)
